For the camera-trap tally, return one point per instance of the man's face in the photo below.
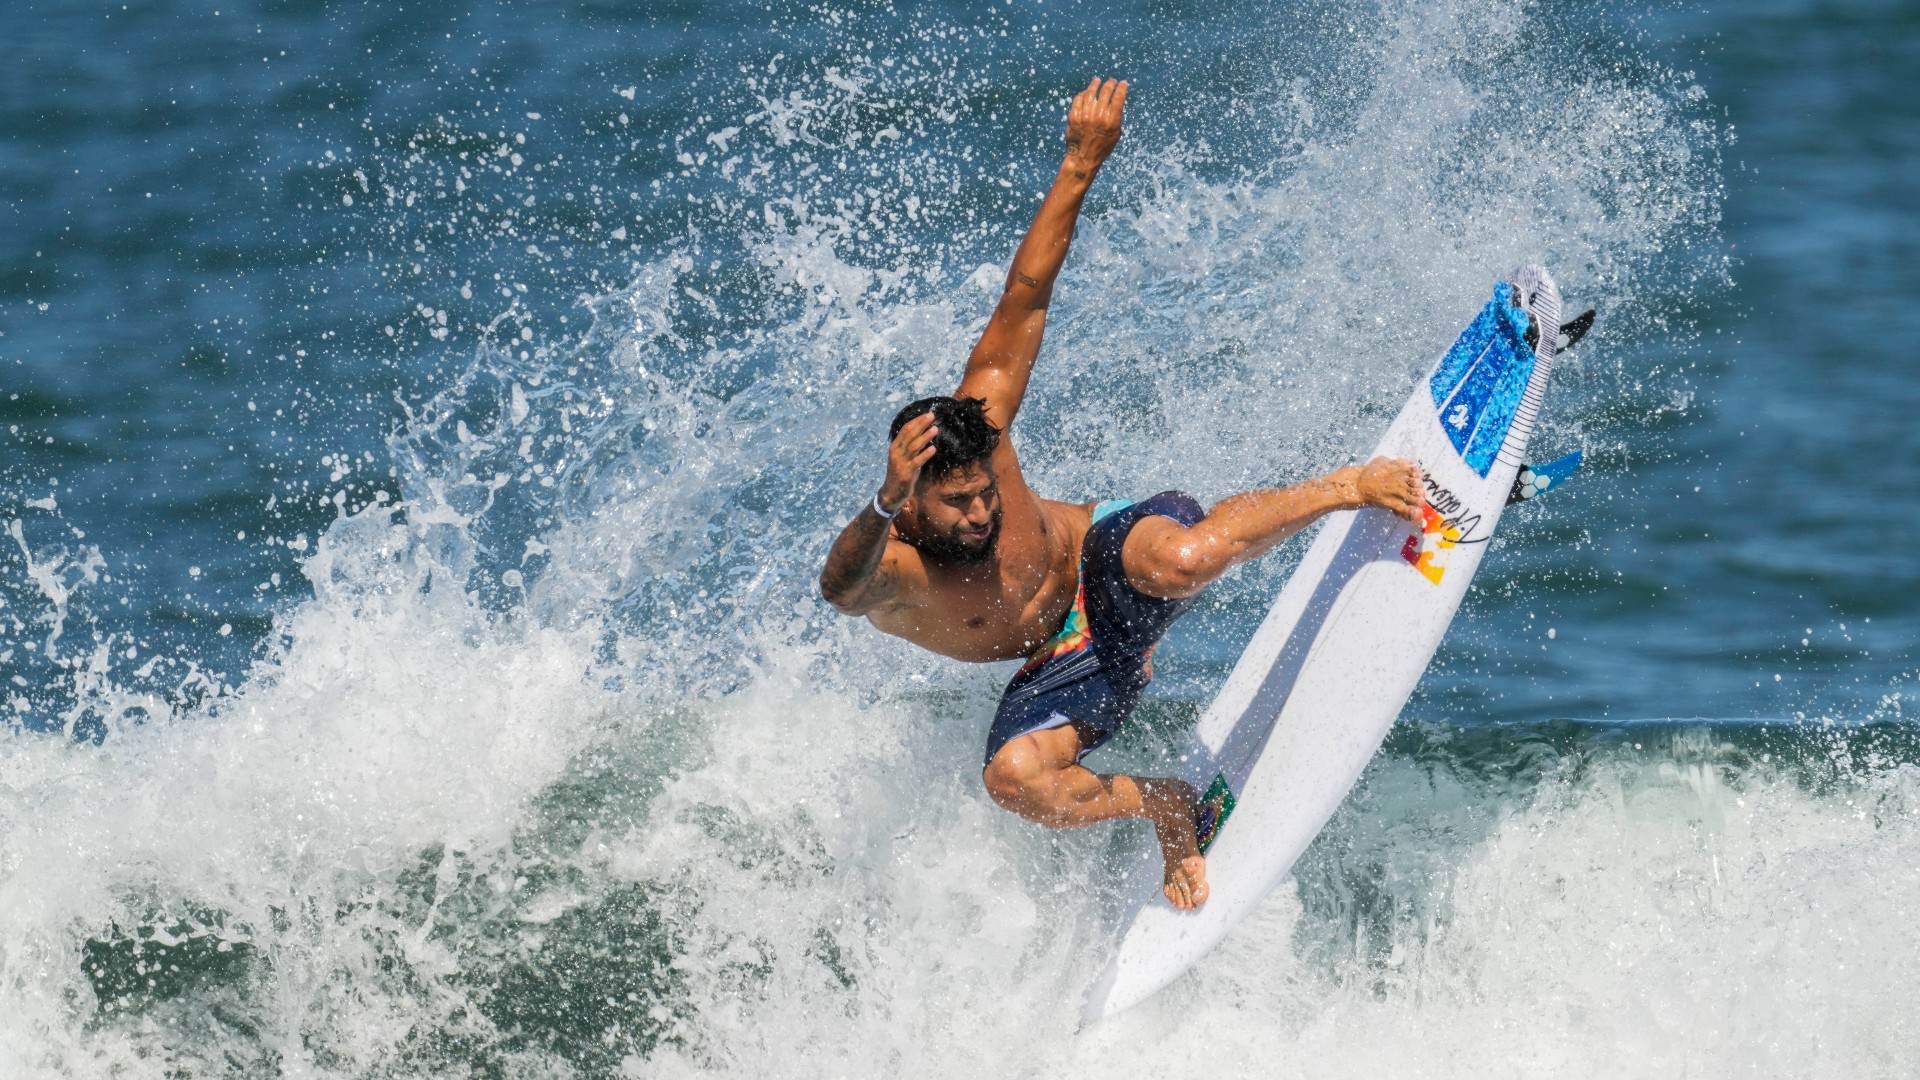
(957, 517)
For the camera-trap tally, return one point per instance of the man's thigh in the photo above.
(1041, 751)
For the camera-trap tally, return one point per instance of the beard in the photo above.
(955, 551)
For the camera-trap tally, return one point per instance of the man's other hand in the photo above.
(1093, 122)
(906, 456)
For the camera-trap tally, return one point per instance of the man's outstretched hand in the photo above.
(1093, 122)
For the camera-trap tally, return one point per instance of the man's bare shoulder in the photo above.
(1070, 512)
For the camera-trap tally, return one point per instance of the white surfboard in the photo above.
(1349, 636)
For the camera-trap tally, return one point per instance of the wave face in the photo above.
(551, 763)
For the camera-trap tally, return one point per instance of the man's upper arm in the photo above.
(893, 584)
(1002, 361)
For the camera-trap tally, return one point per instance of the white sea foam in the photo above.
(1683, 928)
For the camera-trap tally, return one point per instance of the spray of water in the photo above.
(564, 770)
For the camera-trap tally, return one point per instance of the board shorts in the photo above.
(1092, 672)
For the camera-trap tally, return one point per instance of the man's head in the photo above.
(954, 514)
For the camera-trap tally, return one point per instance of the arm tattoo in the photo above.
(856, 564)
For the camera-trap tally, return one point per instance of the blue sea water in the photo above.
(419, 427)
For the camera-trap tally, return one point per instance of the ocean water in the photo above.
(420, 427)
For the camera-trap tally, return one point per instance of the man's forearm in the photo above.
(1037, 262)
(854, 560)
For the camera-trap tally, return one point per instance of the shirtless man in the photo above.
(957, 555)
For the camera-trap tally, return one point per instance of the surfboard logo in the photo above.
(1424, 550)
(1212, 812)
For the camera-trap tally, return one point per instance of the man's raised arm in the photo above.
(1001, 363)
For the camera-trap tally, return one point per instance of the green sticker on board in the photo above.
(1212, 813)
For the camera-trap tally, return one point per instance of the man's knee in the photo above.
(1028, 774)
(1189, 563)
(1012, 775)
(1170, 561)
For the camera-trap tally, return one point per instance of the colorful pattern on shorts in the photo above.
(1091, 673)
(1073, 636)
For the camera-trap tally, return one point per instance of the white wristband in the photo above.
(881, 510)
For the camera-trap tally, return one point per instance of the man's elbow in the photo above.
(844, 601)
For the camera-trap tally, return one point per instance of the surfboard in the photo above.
(1341, 649)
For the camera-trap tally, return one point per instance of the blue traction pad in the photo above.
(1480, 381)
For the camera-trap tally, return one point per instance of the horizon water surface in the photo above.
(421, 428)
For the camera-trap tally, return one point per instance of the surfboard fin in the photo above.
(1570, 332)
(1536, 480)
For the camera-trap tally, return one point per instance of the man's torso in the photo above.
(1005, 607)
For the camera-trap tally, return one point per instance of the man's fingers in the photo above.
(913, 428)
(921, 440)
(1102, 96)
(915, 434)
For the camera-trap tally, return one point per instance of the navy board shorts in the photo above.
(1092, 672)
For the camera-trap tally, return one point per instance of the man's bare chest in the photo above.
(996, 611)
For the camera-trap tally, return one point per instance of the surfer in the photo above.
(957, 555)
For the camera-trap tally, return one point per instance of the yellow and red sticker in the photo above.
(1423, 549)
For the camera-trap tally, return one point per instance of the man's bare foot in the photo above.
(1170, 808)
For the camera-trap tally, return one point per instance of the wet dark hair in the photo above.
(966, 435)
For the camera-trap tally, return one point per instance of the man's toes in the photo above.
(1194, 869)
(1186, 886)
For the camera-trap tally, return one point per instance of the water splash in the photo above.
(564, 769)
